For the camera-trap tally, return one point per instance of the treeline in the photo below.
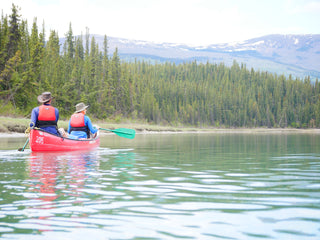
(162, 93)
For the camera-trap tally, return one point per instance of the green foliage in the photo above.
(186, 94)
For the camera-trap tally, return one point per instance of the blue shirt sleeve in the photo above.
(88, 123)
(69, 127)
(34, 116)
(57, 114)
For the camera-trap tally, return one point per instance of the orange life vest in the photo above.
(77, 120)
(46, 117)
(77, 123)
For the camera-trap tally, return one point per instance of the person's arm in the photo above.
(34, 116)
(57, 114)
(69, 127)
(88, 123)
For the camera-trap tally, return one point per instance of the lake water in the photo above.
(164, 186)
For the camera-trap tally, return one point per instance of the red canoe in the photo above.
(41, 141)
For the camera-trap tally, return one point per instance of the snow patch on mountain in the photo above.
(298, 55)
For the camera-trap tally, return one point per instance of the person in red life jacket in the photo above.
(45, 116)
(80, 125)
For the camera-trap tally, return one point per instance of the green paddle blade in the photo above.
(122, 132)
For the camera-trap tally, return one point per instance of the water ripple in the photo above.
(209, 192)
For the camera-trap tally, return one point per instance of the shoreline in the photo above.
(200, 131)
(15, 127)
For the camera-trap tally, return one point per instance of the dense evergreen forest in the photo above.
(202, 95)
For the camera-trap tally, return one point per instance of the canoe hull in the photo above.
(41, 141)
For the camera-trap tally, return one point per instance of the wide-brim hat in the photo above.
(44, 97)
(80, 107)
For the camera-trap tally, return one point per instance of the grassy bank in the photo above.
(19, 125)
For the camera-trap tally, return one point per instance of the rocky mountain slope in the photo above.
(298, 55)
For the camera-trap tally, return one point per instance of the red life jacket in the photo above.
(77, 124)
(46, 117)
(77, 120)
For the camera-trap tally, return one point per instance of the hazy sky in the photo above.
(195, 22)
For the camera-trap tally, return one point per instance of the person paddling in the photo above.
(45, 116)
(80, 125)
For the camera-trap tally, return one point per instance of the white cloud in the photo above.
(303, 7)
(197, 22)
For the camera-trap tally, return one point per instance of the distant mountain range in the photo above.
(298, 55)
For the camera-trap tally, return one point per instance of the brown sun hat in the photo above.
(80, 107)
(45, 97)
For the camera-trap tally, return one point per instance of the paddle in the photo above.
(22, 149)
(122, 132)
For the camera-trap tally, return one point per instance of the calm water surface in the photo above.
(174, 186)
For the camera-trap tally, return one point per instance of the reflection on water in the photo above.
(166, 187)
(47, 173)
